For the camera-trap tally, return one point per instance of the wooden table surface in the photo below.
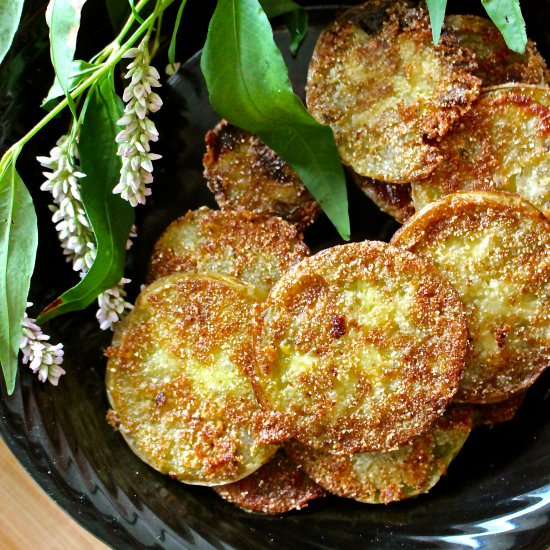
(30, 519)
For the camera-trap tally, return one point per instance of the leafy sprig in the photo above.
(18, 246)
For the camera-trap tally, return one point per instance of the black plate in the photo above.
(497, 492)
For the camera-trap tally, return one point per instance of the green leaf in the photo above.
(506, 15)
(172, 47)
(10, 15)
(78, 73)
(296, 22)
(295, 19)
(110, 216)
(436, 9)
(18, 244)
(63, 19)
(248, 84)
(274, 8)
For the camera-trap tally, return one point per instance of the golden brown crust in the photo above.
(176, 379)
(255, 248)
(383, 477)
(386, 91)
(495, 413)
(277, 487)
(245, 174)
(497, 64)
(392, 198)
(502, 144)
(361, 347)
(495, 249)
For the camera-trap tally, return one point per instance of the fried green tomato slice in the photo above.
(392, 198)
(386, 91)
(176, 380)
(384, 477)
(502, 144)
(495, 249)
(360, 347)
(255, 248)
(502, 411)
(497, 64)
(277, 487)
(245, 174)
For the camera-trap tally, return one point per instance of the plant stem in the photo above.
(130, 21)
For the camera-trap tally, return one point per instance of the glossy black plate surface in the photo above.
(497, 492)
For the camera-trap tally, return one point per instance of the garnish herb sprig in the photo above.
(95, 129)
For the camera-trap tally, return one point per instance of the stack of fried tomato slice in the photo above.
(277, 377)
(178, 370)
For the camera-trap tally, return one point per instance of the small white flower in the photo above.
(138, 130)
(112, 305)
(43, 358)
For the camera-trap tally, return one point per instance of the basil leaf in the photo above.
(77, 74)
(506, 15)
(63, 19)
(248, 85)
(18, 244)
(110, 216)
(436, 9)
(10, 15)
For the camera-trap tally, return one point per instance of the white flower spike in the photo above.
(69, 217)
(138, 130)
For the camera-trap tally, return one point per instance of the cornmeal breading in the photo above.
(255, 248)
(277, 487)
(245, 174)
(502, 144)
(383, 477)
(495, 249)
(177, 383)
(386, 91)
(361, 347)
